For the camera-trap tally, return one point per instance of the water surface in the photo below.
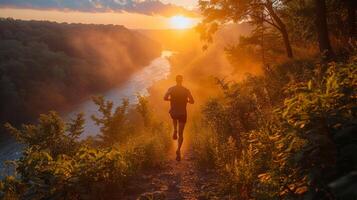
(138, 83)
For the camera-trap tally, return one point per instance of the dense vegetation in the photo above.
(265, 149)
(286, 26)
(56, 165)
(46, 65)
(288, 133)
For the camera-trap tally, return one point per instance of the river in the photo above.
(138, 83)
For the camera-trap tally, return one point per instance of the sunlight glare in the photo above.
(181, 22)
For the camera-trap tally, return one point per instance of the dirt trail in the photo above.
(174, 181)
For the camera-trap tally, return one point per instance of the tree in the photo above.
(351, 17)
(144, 110)
(255, 12)
(114, 123)
(51, 134)
(322, 30)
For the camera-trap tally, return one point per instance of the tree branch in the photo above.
(267, 21)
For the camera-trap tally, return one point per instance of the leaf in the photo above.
(301, 190)
(302, 125)
(309, 85)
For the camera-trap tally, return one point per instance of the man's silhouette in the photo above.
(178, 96)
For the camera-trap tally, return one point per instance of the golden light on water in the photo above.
(181, 22)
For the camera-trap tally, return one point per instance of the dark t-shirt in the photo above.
(179, 97)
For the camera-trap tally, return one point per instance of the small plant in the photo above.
(114, 125)
(298, 148)
(55, 164)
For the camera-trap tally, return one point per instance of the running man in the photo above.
(178, 96)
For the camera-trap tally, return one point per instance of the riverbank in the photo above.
(138, 83)
(58, 65)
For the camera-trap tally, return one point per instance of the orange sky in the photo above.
(130, 20)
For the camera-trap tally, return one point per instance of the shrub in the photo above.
(293, 150)
(323, 113)
(55, 164)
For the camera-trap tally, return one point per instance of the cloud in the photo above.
(147, 7)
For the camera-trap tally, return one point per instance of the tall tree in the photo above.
(219, 12)
(322, 30)
(351, 17)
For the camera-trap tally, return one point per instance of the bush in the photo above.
(293, 150)
(57, 165)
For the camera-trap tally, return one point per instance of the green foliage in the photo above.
(51, 134)
(143, 109)
(260, 14)
(220, 12)
(55, 164)
(145, 151)
(47, 65)
(88, 172)
(302, 147)
(261, 45)
(323, 112)
(303, 21)
(10, 188)
(204, 143)
(114, 126)
(217, 118)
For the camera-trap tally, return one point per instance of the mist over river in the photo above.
(138, 83)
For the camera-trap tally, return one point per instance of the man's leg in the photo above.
(180, 140)
(174, 136)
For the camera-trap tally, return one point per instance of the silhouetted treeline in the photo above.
(46, 65)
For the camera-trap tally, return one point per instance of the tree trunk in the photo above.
(351, 18)
(322, 30)
(282, 29)
(288, 48)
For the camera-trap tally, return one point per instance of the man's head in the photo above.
(179, 79)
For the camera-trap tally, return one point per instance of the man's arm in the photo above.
(167, 95)
(190, 98)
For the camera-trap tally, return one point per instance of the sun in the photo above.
(181, 22)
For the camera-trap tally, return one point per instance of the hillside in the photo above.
(46, 65)
(257, 102)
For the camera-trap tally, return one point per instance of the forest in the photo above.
(276, 115)
(51, 66)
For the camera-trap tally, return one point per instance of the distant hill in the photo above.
(46, 65)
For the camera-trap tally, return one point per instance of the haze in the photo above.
(157, 16)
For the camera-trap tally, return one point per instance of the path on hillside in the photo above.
(174, 181)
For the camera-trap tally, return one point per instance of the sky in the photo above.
(185, 3)
(135, 14)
